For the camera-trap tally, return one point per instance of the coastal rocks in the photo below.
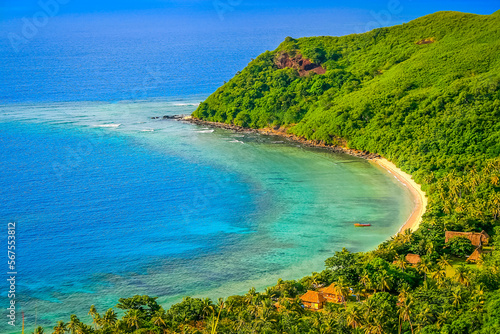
(303, 66)
(174, 117)
(282, 132)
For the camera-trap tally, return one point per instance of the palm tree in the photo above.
(444, 261)
(424, 317)
(109, 318)
(341, 290)
(329, 325)
(404, 310)
(251, 296)
(384, 280)
(401, 263)
(81, 328)
(206, 307)
(478, 298)
(269, 293)
(494, 180)
(316, 320)
(447, 206)
(358, 290)
(132, 318)
(39, 330)
(457, 297)
(461, 275)
(95, 316)
(407, 234)
(73, 324)
(442, 318)
(495, 201)
(220, 305)
(60, 328)
(424, 266)
(352, 316)
(159, 319)
(374, 326)
(365, 279)
(280, 283)
(439, 276)
(368, 309)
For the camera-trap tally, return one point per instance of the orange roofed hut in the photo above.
(330, 294)
(313, 300)
(477, 239)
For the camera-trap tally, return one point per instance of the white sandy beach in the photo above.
(419, 196)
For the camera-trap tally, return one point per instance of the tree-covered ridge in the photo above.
(424, 94)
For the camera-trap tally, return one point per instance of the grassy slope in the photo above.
(432, 108)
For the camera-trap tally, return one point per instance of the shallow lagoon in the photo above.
(110, 203)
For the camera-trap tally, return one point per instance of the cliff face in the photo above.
(303, 66)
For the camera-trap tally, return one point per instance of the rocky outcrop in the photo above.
(302, 65)
(282, 133)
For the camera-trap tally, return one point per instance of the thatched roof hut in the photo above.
(475, 255)
(477, 239)
(413, 258)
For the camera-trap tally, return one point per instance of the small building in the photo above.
(330, 294)
(413, 259)
(475, 255)
(313, 300)
(477, 239)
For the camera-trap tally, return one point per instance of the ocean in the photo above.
(109, 201)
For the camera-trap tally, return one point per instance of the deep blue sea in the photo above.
(109, 202)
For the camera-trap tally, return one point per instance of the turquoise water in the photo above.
(110, 203)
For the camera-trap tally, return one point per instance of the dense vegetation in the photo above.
(388, 296)
(426, 96)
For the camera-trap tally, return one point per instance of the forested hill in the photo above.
(424, 94)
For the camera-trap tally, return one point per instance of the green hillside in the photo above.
(424, 94)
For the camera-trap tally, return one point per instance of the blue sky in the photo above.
(312, 16)
(411, 8)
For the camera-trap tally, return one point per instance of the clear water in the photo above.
(110, 203)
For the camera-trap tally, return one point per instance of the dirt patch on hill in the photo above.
(302, 65)
(426, 41)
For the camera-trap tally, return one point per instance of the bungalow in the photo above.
(330, 294)
(475, 255)
(477, 239)
(413, 259)
(313, 300)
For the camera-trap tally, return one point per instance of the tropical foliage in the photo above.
(426, 96)
(381, 293)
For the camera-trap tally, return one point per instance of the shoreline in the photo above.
(279, 132)
(419, 196)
